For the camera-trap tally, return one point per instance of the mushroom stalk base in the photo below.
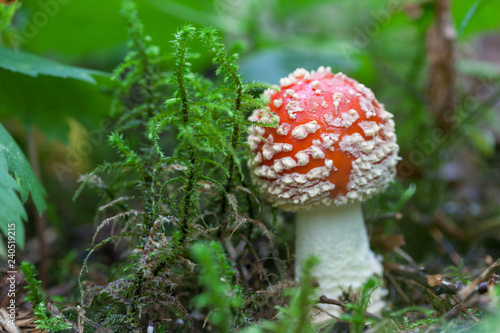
(337, 236)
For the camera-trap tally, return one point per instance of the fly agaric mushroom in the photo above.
(334, 148)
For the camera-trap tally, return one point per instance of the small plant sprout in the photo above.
(334, 148)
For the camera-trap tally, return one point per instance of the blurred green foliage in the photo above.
(379, 43)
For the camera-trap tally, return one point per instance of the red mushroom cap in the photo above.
(335, 143)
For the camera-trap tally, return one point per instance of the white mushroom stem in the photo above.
(337, 236)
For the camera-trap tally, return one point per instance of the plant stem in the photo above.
(181, 54)
(40, 221)
(234, 146)
(187, 195)
(150, 112)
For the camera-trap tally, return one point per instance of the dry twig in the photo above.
(486, 275)
(437, 282)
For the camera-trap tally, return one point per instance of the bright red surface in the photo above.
(328, 84)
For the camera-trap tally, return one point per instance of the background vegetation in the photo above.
(141, 112)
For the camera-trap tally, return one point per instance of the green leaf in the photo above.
(187, 13)
(18, 166)
(94, 30)
(3, 249)
(33, 65)
(472, 17)
(468, 16)
(75, 28)
(12, 209)
(6, 14)
(49, 102)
